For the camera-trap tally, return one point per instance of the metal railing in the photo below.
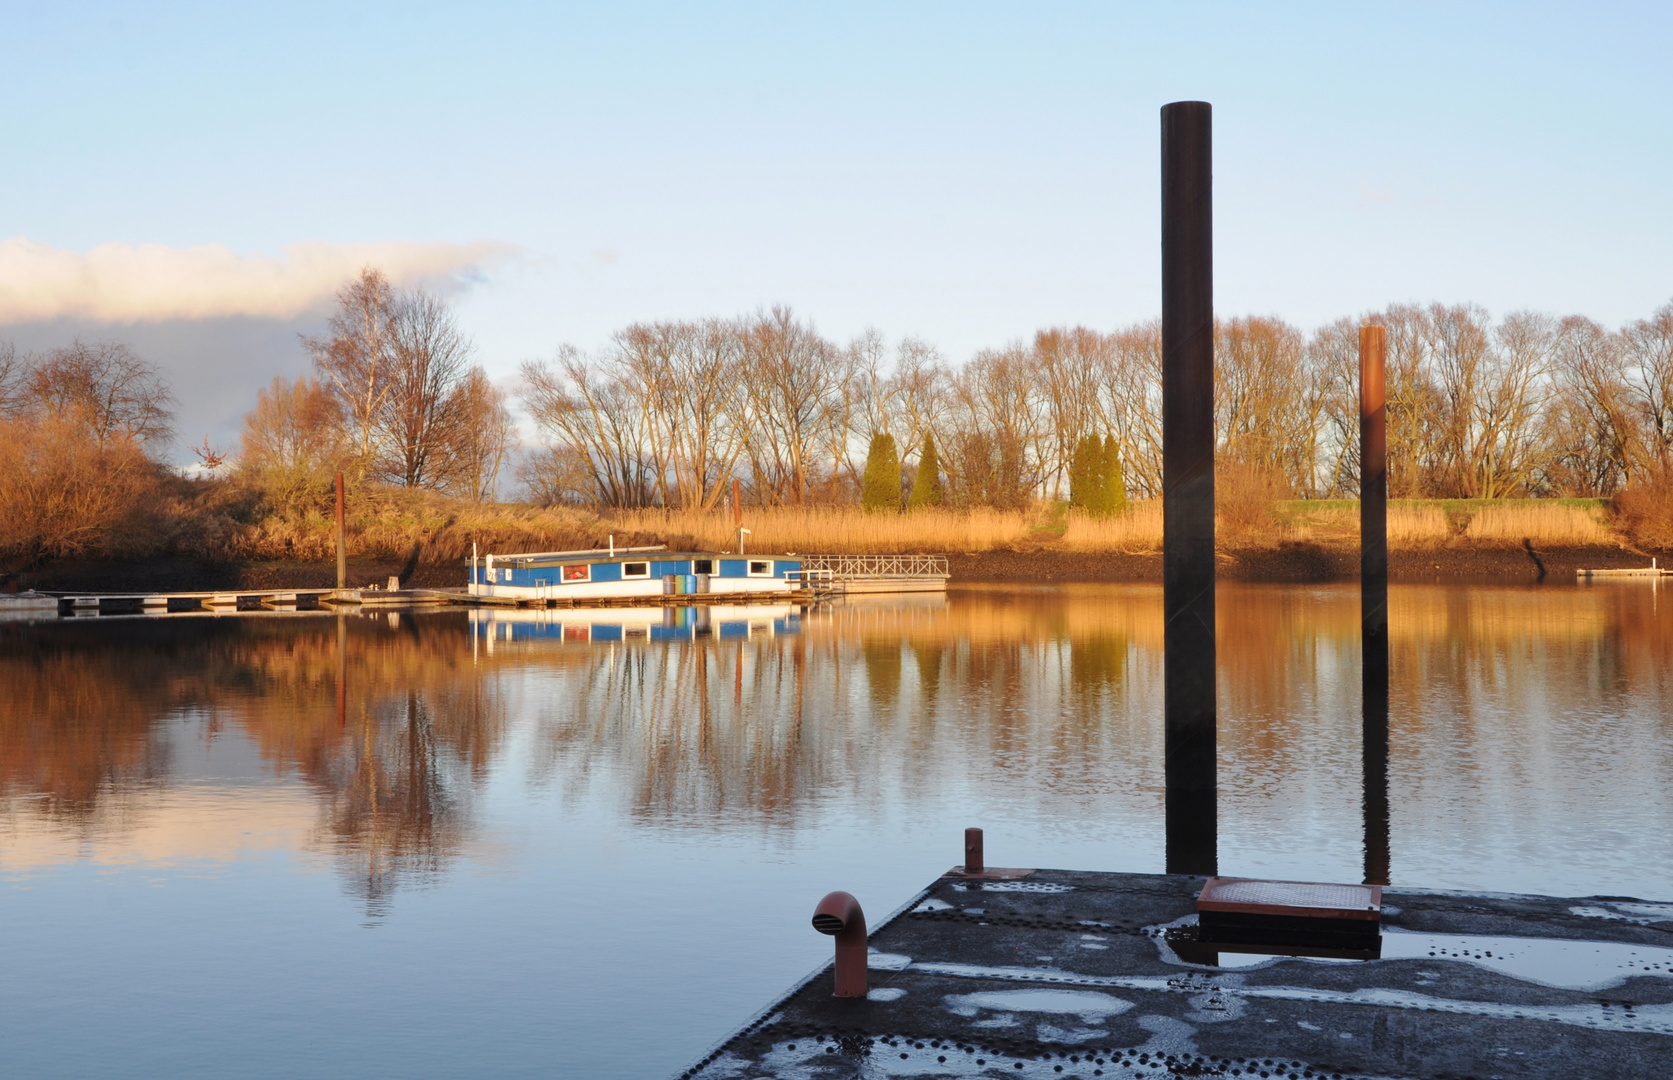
(848, 567)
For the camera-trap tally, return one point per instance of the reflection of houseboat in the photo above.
(603, 575)
(583, 626)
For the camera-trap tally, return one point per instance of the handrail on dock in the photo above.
(842, 567)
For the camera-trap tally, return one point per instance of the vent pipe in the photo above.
(840, 916)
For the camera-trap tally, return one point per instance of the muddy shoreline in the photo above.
(1295, 563)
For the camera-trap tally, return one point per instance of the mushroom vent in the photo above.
(827, 924)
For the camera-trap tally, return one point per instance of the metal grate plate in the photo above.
(1294, 898)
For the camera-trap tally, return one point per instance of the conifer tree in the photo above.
(926, 489)
(880, 488)
(1083, 473)
(1113, 487)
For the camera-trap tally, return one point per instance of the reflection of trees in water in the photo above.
(863, 701)
(1057, 693)
(394, 767)
(77, 721)
(1060, 693)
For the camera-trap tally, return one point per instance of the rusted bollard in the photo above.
(840, 916)
(973, 851)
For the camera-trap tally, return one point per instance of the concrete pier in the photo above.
(1061, 974)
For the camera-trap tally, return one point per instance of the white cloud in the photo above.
(118, 283)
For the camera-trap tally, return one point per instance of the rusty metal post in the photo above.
(839, 915)
(1188, 484)
(973, 851)
(342, 539)
(1373, 596)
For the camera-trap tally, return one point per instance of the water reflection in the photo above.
(383, 721)
(1518, 721)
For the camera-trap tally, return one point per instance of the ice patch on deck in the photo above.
(1600, 1016)
(818, 1059)
(1642, 914)
(1558, 962)
(932, 904)
(1090, 1006)
(1013, 886)
(885, 993)
(1561, 963)
(883, 961)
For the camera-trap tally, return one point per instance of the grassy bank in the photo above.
(231, 535)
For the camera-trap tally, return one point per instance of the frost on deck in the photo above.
(1069, 974)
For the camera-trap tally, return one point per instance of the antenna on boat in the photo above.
(612, 545)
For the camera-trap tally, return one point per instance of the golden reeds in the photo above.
(839, 530)
(1551, 524)
(1137, 530)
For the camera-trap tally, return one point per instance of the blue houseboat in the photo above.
(604, 574)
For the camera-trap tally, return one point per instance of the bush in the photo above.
(62, 494)
(1644, 511)
(1245, 499)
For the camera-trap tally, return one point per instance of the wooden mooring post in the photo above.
(1373, 596)
(1188, 484)
(342, 540)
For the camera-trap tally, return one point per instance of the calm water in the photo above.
(427, 846)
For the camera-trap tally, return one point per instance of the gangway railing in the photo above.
(854, 567)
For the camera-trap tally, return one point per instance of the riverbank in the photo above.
(425, 539)
(1034, 566)
(1295, 563)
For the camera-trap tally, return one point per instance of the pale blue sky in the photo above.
(964, 172)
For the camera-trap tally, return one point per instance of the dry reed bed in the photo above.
(842, 531)
(392, 526)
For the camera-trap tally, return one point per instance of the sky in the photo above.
(196, 180)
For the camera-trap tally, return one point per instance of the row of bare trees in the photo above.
(395, 399)
(669, 412)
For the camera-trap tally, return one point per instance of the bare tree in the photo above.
(13, 369)
(1593, 428)
(428, 360)
(1068, 365)
(598, 426)
(1132, 395)
(1649, 350)
(1509, 406)
(355, 358)
(106, 388)
(477, 436)
(293, 441)
(794, 383)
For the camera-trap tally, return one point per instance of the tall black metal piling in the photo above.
(1373, 596)
(1188, 483)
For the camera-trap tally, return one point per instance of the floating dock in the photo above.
(230, 600)
(1053, 974)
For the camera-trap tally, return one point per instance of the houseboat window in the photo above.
(761, 569)
(581, 572)
(636, 569)
(703, 566)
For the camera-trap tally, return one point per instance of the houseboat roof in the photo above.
(658, 553)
